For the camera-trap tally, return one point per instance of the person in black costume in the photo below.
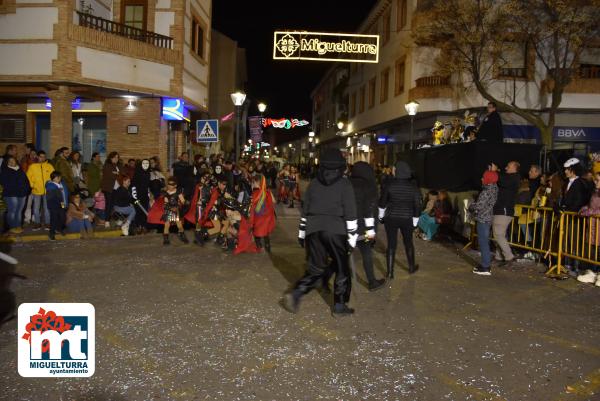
(140, 186)
(399, 208)
(363, 181)
(490, 129)
(328, 229)
(576, 192)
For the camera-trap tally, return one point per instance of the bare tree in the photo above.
(475, 35)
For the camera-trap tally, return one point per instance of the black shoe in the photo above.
(267, 244)
(183, 238)
(376, 285)
(220, 240)
(341, 310)
(166, 240)
(291, 206)
(482, 271)
(198, 238)
(413, 269)
(51, 237)
(259, 243)
(290, 303)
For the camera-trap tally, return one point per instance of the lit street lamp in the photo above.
(262, 107)
(411, 108)
(238, 99)
(340, 125)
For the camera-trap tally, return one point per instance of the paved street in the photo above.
(183, 323)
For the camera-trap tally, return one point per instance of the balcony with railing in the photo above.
(585, 79)
(432, 86)
(102, 34)
(116, 28)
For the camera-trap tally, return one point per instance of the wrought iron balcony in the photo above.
(116, 28)
(518, 72)
(433, 80)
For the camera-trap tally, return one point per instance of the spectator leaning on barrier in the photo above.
(576, 193)
(535, 177)
(482, 210)
(504, 209)
(592, 210)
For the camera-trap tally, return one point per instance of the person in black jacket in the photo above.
(140, 190)
(490, 129)
(365, 191)
(504, 209)
(399, 208)
(576, 193)
(122, 202)
(57, 199)
(183, 172)
(328, 228)
(16, 189)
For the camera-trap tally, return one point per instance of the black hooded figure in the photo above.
(140, 186)
(399, 208)
(365, 192)
(328, 228)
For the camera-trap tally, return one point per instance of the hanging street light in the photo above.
(262, 107)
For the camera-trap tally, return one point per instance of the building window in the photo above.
(361, 100)
(134, 14)
(399, 78)
(387, 26)
(514, 60)
(12, 129)
(353, 105)
(385, 84)
(197, 40)
(401, 14)
(372, 83)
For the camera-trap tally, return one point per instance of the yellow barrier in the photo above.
(559, 238)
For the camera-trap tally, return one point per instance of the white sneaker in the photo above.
(598, 281)
(589, 277)
(107, 224)
(125, 229)
(119, 223)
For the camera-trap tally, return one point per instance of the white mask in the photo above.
(217, 169)
(145, 165)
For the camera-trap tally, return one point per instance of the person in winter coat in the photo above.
(122, 201)
(16, 188)
(38, 174)
(504, 209)
(94, 173)
(157, 178)
(79, 218)
(183, 172)
(491, 129)
(140, 191)
(482, 210)
(592, 235)
(108, 183)
(62, 165)
(399, 209)
(365, 193)
(576, 193)
(56, 196)
(328, 229)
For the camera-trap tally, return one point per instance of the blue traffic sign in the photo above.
(207, 131)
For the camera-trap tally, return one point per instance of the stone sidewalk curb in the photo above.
(44, 237)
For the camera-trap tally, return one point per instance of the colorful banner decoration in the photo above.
(284, 123)
(322, 46)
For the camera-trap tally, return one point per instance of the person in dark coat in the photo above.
(108, 183)
(16, 189)
(183, 172)
(576, 193)
(399, 209)
(365, 192)
(504, 209)
(328, 229)
(490, 129)
(140, 189)
(535, 179)
(57, 197)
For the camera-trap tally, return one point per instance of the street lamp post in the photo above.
(238, 99)
(262, 107)
(411, 108)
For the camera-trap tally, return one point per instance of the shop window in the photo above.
(353, 105)
(134, 14)
(372, 83)
(401, 14)
(399, 77)
(198, 38)
(385, 84)
(12, 128)
(361, 100)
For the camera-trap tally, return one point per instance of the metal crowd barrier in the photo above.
(561, 238)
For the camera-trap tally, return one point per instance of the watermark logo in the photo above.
(56, 340)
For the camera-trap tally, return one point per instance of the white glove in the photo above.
(381, 213)
(370, 234)
(302, 228)
(415, 221)
(352, 238)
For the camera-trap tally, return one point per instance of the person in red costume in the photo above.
(198, 206)
(260, 222)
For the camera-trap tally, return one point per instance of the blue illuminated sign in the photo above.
(381, 139)
(75, 104)
(172, 109)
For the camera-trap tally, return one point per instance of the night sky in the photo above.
(284, 85)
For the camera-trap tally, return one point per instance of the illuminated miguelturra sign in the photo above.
(301, 45)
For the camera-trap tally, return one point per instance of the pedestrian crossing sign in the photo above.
(207, 131)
